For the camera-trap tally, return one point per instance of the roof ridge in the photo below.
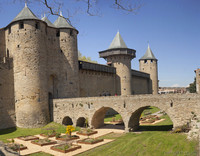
(148, 55)
(117, 42)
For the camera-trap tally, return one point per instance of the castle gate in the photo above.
(179, 107)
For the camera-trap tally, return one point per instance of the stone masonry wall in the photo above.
(27, 47)
(179, 107)
(7, 106)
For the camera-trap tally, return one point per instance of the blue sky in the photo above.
(172, 28)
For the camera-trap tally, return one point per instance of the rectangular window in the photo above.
(58, 33)
(21, 25)
(37, 25)
(9, 30)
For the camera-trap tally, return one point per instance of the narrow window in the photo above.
(58, 33)
(7, 53)
(71, 32)
(145, 61)
(21, 25)
(151, 61)
(37, 25)
(9, 30)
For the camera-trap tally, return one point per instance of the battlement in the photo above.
(96, 67)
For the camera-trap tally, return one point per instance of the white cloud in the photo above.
(175, 85)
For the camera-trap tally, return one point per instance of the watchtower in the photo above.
(197, 80)
(68, 45)
(148, 64)
(119, 56)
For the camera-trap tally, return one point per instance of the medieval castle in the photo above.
(39, 61)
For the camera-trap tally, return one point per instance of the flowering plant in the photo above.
(69, 130)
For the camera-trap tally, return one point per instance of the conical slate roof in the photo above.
(148, 55)
(117, 42)
(45, 19)
(26, 13)
(62, 23)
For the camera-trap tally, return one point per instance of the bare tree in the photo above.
(54, 7)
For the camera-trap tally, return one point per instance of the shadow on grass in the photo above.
(8, 130)
(155, 128)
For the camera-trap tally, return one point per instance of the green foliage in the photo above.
(192, 87)
(111, 118)
(84, 58)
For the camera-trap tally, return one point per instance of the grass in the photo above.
(110, 118)
(16, 132)
(149, 110)
(145, 144)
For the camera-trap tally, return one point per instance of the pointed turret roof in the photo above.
(148, 55)
(45, 19)
(61, 22)
(26, 13)
(117, 42)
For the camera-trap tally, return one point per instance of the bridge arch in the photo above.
(134, 119)
(67, 121)
(97, 119)
(81, 122)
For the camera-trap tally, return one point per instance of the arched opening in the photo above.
(150, 118)
(108, 118)
(81, 122)
(67, 121)
(52, 83)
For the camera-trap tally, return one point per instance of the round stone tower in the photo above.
(68, 46)
(119, 56)
(197, 80)
(148, 64)
(26, 42)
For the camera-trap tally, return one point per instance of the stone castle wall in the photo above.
(101, 80)
(7, 106)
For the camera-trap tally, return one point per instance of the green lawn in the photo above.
(146, 144)
(149, 110)
(16, 132)
(110, 118)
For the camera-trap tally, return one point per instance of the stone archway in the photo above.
(134, 120)
(67, 121)
(98, 117)
(81, 122)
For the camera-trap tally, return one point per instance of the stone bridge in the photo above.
(179, 107)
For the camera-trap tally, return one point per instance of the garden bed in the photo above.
(48, 135)
(28, 138)
(43, 142)
(90, 141)
(64, 148)
(86, 132)
(17, 147)
(67, 137)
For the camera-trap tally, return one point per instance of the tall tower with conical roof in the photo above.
(119, 56)
(68, 43)
(26, 43)
(148, 64)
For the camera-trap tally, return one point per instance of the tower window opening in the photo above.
(9, 30)
(151, 61)
(21, 25)
(58, 33)
(71, 32)
(7, 53)
(145, 61)
(37, 25)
